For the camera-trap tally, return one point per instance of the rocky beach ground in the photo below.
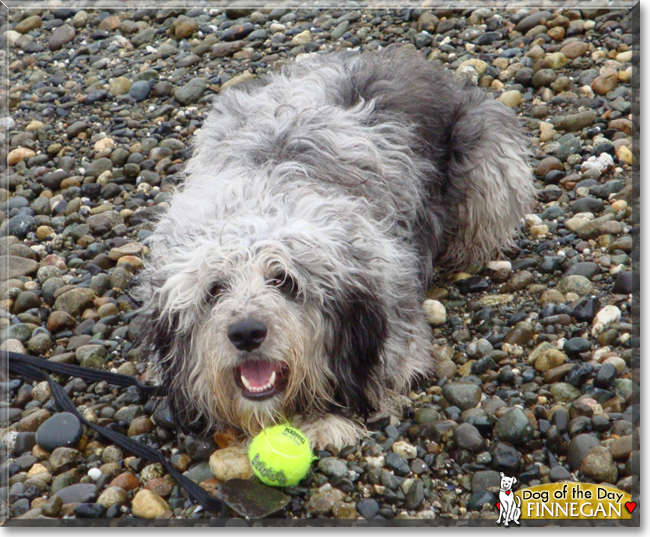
(540, 372)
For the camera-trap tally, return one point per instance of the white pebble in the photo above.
(499, 265)
(434, 312)
(94, 474)
(606, 316)
(7, 123)
(533, 220)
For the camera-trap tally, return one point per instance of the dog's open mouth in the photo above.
(259, 379)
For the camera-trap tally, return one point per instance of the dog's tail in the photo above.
(518, 502)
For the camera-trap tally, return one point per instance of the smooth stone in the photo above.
(505, 458)
(397, 464)
(605, 376)
(80, 493)
(576, 345)
(140, 90)
(321, 502)
(20, 225)
(586, 269)
(586, 310)
(587, 205)
(578, 449)
(367, 508)
(579, 285)
(63, 459)
(61, 36)
(149, 505)
(230, 463)
(463, 396)
(575, 122)
(559, 474)
(599, 465)
(333, 467)
(547, 165)
(624, 283)
(564, 392)
(75, 300)
(415, 495)
(435, 312)
(510, 98)
(192, 91)
(468, 437)
(252, 500)
(514, 427)
(61, 430)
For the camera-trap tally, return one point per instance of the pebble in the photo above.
(333, 467)
(579, 285)
(138, 90)
(321, 502)
(147, 504)
(230, 463)
(463, 396)
(575, 122)
(434, 312)
(62, 35)
(80, 493)
(191, 92)
(367, 508)
(468, 437)
(578, 449)
(514, 427)
(599, 465)
(61, 430)
(113, 496)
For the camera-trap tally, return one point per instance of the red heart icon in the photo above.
(630, 506)
(498, 505)
(508, 492)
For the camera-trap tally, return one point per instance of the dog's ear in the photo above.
(502, 475)
(354, 341)
(514, 480)
(169, 352)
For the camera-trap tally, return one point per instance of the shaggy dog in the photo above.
(286, 279)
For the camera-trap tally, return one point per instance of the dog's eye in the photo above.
(217, 290)
(285, 284)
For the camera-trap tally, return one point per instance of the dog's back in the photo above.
(358, 121)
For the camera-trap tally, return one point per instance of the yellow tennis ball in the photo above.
(280, 456)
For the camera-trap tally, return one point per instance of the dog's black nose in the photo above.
(247, 335)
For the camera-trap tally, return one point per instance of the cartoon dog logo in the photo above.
(509, 505)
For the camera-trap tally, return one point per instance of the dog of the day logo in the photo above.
(562, 501)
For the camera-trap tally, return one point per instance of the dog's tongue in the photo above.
(257, 372)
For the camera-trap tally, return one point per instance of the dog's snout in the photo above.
(247, 335)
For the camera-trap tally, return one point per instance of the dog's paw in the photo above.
(329, 429)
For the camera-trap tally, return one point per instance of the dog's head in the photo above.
(258, 313)
(507, 482)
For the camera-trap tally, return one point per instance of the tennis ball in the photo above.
(280, 456)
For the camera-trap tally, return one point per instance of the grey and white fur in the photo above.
(286, 279)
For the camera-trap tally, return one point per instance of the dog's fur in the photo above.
(318, 202)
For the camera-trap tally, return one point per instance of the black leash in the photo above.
(34, 369)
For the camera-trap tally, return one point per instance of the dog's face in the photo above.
(507, 482)
(259, 322)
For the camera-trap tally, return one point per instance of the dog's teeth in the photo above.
(258, 389)
(246, 383)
